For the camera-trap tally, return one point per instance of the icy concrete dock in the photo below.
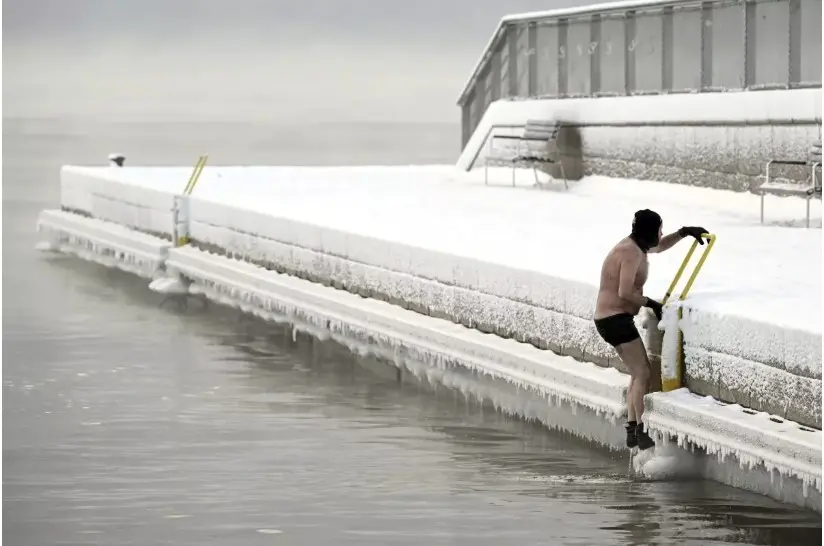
(516, 263)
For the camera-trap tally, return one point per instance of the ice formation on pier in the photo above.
(752, 441)
(105, 243)
(442, 269)
(399, 334)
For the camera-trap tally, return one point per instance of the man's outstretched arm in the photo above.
(668, 241)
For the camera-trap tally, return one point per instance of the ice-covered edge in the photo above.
(795, 351)
(715, 443)
(600, 389)
(740, 380)
(725, 430)
(102, 242)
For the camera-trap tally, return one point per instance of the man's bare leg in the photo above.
(634, 356)
(631, 416)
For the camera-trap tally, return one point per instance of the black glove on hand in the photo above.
(693, 231)
(656, 307)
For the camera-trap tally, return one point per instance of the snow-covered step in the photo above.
(102, 242)
(754, 439)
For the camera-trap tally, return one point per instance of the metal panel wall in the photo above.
(728, 69)
(770, 41)
(503, 60)
(480, 94)
(522, 52)
(494, 77)
(466, 122)
(612, 56)
(693, 45)
(647, 47)
(489, 89)
(474, 115)
(578, 57)
(686, 45)
(808, 15)
(546, 45)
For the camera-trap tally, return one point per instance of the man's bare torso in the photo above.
(608, 302)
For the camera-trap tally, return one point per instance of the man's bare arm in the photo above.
(666, 243)
(630, 262)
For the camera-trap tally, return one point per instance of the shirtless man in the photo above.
(620, 298)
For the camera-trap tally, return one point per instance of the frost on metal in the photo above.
(101, 242)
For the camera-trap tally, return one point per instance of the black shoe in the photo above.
(632, 439)
(643, 439)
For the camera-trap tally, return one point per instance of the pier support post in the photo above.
(180, 220)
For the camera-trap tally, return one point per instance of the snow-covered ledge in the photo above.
(718, 140)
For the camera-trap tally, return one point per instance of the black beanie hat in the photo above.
(645, 228)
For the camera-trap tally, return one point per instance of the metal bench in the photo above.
(810, 189)
(543, 132)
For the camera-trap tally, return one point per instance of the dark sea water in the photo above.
(128, 422)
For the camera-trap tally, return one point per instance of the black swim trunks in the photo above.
(617, 329)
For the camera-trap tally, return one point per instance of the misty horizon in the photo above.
(312, 61)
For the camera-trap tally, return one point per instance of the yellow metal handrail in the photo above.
(676, 382)
(180, 212)
(195, 176)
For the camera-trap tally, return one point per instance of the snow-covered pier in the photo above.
(490, 288)
(496, 285)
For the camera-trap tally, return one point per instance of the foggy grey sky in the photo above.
(222, 59)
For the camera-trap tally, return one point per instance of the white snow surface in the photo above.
(767, 274)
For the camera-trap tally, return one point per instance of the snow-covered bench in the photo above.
(809, 189)
(544, 133)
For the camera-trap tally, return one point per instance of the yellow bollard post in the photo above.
(673, 379)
